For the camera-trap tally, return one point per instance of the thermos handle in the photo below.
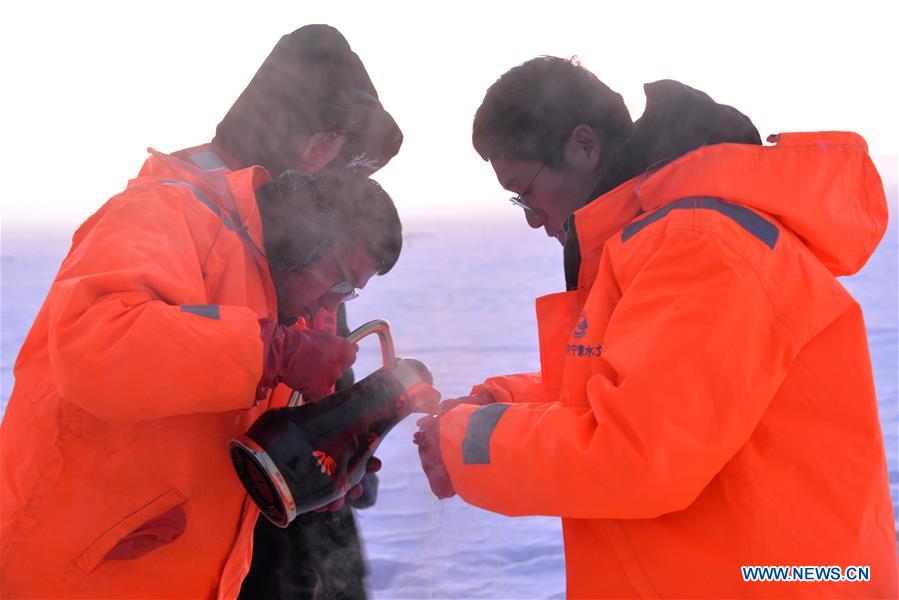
(388, 352)
(382, 328)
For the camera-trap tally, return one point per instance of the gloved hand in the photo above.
(356, 492)
(428, 440)
(480, 398)
(309, 361)
(369, 494)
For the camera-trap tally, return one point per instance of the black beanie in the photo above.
(311, 82)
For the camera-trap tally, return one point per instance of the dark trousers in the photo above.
(317, 556)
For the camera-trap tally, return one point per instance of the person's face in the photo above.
(303, 292)
(319, 150)
(553, 193)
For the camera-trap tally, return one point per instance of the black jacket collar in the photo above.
(677, 119)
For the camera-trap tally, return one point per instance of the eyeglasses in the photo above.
(519, 201)
(344, 287)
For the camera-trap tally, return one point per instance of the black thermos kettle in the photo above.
(303, 456)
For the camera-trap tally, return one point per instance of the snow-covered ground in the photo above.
(461, 299)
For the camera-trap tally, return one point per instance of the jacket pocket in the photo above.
(159, 522)
(627, 556)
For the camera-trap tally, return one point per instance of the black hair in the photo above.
(529, 112)
(305, 216)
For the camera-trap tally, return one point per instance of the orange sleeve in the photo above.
(132, 333)
(522, 387)
(695, 352)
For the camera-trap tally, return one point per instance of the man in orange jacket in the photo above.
(159, 341)
(705, 402)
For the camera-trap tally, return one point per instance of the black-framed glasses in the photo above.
(518, 199)
(344, 287)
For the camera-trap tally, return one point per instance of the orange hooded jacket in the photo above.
(705, 399)
(143, 362)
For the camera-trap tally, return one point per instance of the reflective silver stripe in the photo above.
(210, 311)
(232, 223)
(207, 160)
(203, 200)
(476, 445)
(758, 226)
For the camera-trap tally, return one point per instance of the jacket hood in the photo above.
(311, 82)
(822, 186)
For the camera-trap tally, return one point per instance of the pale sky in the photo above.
(87, 86)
